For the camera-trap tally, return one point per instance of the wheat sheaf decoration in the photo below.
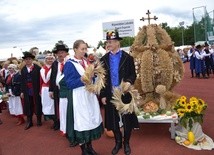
(122, 107)
(94, 77)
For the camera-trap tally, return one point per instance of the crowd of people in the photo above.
(201, 59)
(56, 90)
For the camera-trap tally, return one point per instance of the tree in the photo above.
(127, 41)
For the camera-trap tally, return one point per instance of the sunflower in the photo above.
(183, 98)
(182, 102)
(193, 99)
(190, 111)
(181, 112)
(199, 109)
(189, 107)
(201, 102)
(194, 103)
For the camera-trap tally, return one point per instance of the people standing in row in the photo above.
(30, 90)
(119, 66)
(13, 89)
(191, 55)
(47, 102)
(84, 120)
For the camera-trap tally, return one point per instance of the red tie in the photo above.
(61, 66)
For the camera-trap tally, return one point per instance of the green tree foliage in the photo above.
(127, 41)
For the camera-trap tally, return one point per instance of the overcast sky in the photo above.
(41, 23)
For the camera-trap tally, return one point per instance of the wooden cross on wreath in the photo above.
(149, 18)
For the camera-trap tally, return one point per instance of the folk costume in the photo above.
(63, 102)
(191, 55)
(54, 88)
(3, 96)
(56, 72)
(47, 102)
(13, 88)
(30, 87)
(84, 121)
(208, 60)
(119, 66)
(199, 61)
(2, 92)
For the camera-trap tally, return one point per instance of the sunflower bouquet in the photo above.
(190, 112)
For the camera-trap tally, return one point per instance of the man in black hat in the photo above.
(208, 60)
(119, 66)
(61, 51)
(30, 89)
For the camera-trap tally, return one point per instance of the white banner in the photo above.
(124, 27)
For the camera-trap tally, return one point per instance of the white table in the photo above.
(162, 119)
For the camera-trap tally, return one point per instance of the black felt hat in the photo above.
(60, 46)
(28, 55)
(113, 35)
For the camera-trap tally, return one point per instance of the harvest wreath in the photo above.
(122, 107)
(94, 77)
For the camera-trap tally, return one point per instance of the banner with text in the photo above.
(124, 27)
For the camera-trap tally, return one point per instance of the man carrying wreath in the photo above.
(119, 67)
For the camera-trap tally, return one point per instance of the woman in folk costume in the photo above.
(199, 61)
(47, 102)
(84, 121)
(13, 89)
(191, 55)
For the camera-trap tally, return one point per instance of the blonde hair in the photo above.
(13, 66)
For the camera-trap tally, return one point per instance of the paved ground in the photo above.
(151, 139)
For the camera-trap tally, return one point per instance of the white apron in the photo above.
(63, 102)
(15, 105)
(86, 107)
(47, 102)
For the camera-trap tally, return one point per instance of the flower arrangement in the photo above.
(190, 112)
